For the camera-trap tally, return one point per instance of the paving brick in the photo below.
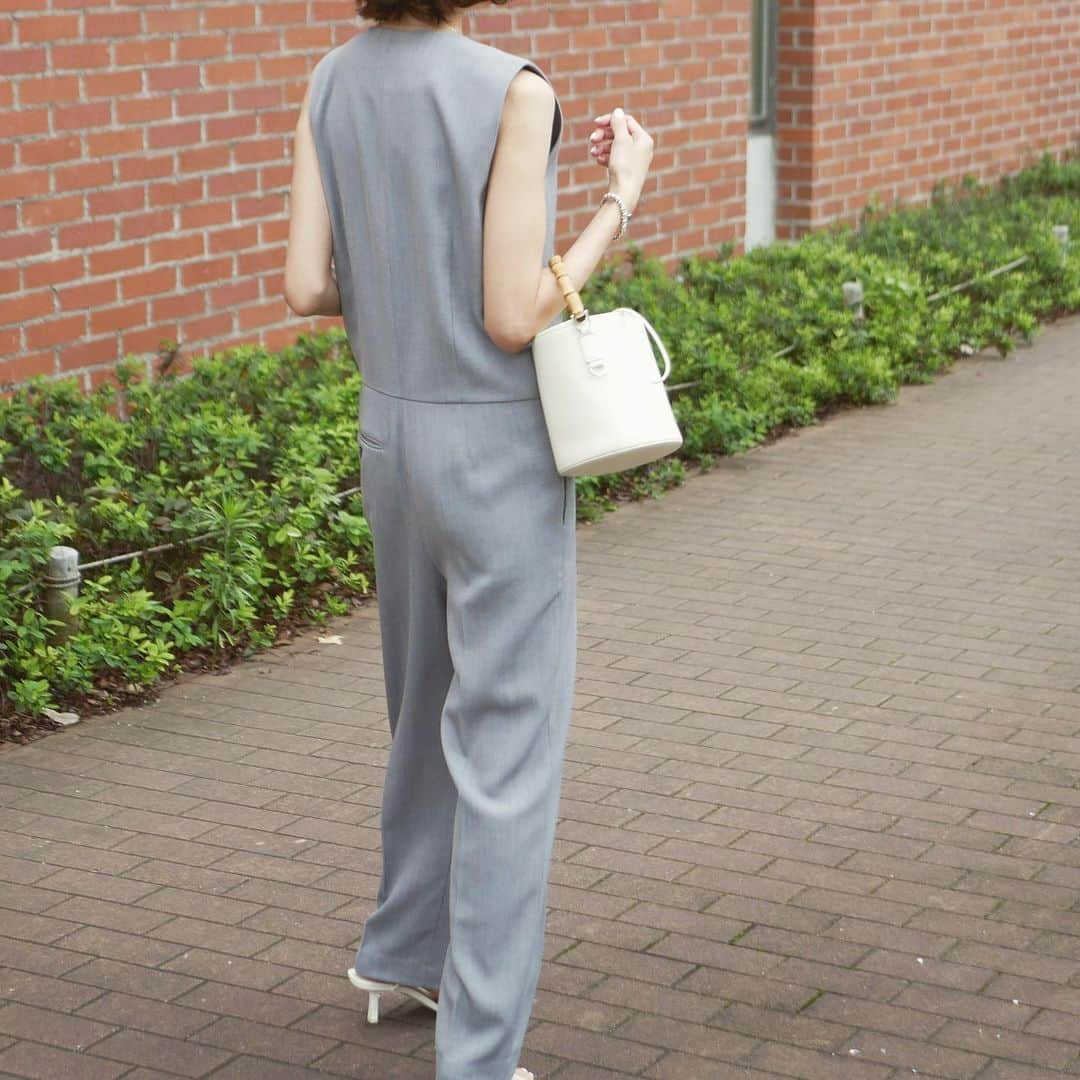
(819, 794)
(922, 871)
(1056, 1025)
(29, 1059)
(244, 1003)
(620, 934)
(797, 1030)
(993, 930)
(675, 1066)
(65, 806)
(645, 967)
(873, 908)
(573, 1011)
(107, 915)
(235, 867)
(931, 970)
(722, 986)
(52, 1028)
(809, 946)
(138, 798)
(913, 1057)
(629, 863)
(883, 935)
(183, 1057)
(1066, 946)
(981, 1009)
(43, 991)
(221, 909)
(1014, 1070)
(22, 871)
(352, 1061)
(889, 1018)
(130, 978)
(147, 821)
(1015, 961)
(700, 1040)
(617, 838)
(247, 1036)
(584, 902)
(148, 1074)
(404, 1027)
(854, 982)
(940, 900)
(97, 886)
(40, 959)
(113, 945)
(334, 988)
(233, 940)
(308, 956)
(1002, 1042)
(825, 813)
(794, 849)
(162, 1018)
(684, 1002)
(167, 849)
(592, 1047)
(233, 969)
(43, 929)
(1034, 992)
(744, 912)
(842, 879)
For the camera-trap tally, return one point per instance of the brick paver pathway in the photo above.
(821, 804)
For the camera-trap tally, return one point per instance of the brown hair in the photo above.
(430, 11)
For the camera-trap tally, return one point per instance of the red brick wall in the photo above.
(147, 155)
(681, 66)
(889, 98)
(146, 147)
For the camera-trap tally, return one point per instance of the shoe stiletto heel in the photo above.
(376, 988)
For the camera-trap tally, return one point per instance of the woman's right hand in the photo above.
(626, 148)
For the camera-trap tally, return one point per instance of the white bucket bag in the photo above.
(604, 401)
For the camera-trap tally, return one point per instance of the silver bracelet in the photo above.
(625, 215)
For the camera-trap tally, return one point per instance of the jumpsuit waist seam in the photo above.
(443, 401)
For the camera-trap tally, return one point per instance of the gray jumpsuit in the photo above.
(475, 557)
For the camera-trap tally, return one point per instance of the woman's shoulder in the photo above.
(469, 68)
(321, 72)
(501, 59)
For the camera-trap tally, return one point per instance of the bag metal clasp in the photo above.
(594, 364)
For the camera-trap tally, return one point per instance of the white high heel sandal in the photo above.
(376, 988)
(522, 1074)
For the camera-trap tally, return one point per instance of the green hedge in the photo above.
(254, 446)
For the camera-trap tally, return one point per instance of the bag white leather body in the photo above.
(603, 396)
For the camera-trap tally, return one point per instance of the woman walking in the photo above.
(425, 166)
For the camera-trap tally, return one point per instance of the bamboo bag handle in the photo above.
(570, 294)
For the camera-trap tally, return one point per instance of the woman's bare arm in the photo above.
(310, 285)
(521, 295)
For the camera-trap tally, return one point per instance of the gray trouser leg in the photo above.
(476, 571)
(406, 937)
(504, 729)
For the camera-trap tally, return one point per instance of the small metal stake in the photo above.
(853, 298)
(61, 587)
(1061, 234)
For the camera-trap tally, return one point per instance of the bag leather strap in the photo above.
(579, 312)
(660, 345)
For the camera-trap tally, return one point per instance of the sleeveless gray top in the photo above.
(405, 124)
